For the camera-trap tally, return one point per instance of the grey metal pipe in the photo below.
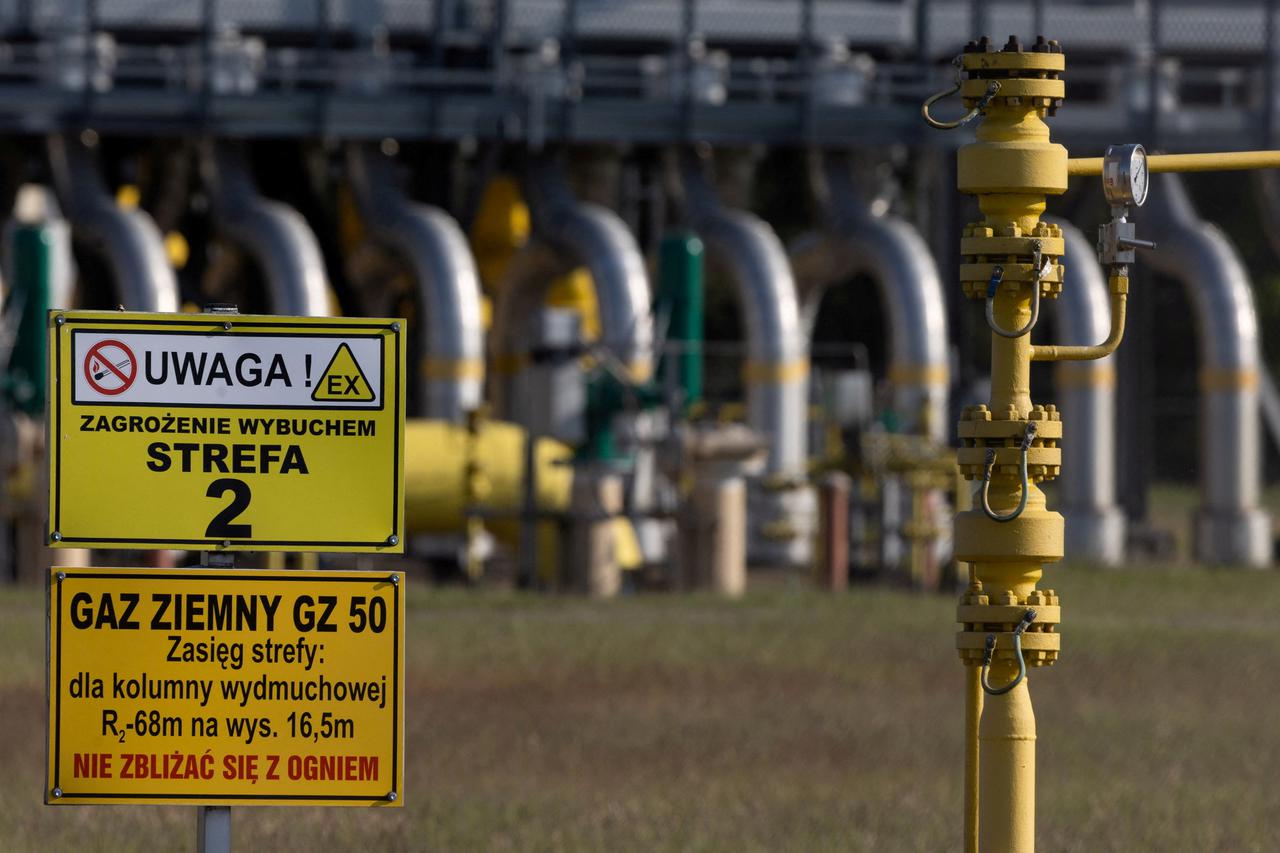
(129, 239)
(450, 352)
(1087, 394)
(859, 238)
(276, 235)
(568, 233)
(776, 373)
(1229, 526)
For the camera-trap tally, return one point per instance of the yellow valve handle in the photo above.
(992, 88)
(1027, 438)
(989, 652)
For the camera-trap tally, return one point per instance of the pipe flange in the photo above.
(1039, 649)
(980, 429)
(1026, 77)
(980, 618)
(1043, 463)
(1015, 274)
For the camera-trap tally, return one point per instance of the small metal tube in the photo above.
(861, 238)
(129, 239)
(450, 356)
(568, 233)
(1086, 391)
(276, 235)
(1230, 526)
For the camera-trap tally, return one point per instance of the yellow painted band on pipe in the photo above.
(452, 368)
(919, 374)
(1218, 379)
(766, 372)
(1221, 161)
(1077, 375)
(640, 370)
(509, 363)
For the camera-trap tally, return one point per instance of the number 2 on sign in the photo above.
(221, 526)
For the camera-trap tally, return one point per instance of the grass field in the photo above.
(788, 721)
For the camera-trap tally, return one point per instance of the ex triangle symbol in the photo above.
(343, 380)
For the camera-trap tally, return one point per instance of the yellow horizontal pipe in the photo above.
(436, 459)
(1119, 297)
(1220, 161)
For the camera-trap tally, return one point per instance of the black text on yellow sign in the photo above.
(226, 432)
(226, 687)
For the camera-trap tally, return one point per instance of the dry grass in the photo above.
(789, 721)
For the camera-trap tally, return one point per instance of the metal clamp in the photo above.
(1028, 437)
(992, 88)
(997, 274)
(990, 650)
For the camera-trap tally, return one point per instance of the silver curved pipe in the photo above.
(860, 239)
(1229, 526)
(129, 239)
(1087, 394)
(275, 234)
(776, 372)
(450, 352)
(568, 233)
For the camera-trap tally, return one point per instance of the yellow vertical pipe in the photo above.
(1007, 735)
(972, 714)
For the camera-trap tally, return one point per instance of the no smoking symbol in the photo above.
(110, 367)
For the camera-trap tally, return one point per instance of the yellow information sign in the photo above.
(226, 687)
(226, 432)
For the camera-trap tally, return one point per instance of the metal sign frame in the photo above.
(69, 512)
(98, 650)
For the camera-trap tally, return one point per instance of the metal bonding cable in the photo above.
(992, 88)
(1028, 437)
(989, 652)
(996, 275)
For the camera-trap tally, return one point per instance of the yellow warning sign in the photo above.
(343, 380)
(225, 687)
(226, 432)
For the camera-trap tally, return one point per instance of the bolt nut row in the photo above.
(1045, 413)
(985, 45)
(1012, 229)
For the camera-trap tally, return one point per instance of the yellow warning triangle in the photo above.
(343, 380)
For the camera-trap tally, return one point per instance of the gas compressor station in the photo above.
(414, 414)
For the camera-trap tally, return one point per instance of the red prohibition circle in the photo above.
(109, 370)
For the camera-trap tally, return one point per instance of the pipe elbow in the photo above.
(1119, 300)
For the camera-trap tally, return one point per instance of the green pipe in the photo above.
(681, 303)
(24, 382)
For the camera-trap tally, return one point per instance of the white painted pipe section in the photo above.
(274, 234)
(450, 352)
(568, 233)
(859, 239)
(129, 239)
(1229, 526)
(1087, 397)
(776, 374)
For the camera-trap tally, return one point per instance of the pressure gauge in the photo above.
(1124, 175)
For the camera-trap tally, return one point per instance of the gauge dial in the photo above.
(1125, 176)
